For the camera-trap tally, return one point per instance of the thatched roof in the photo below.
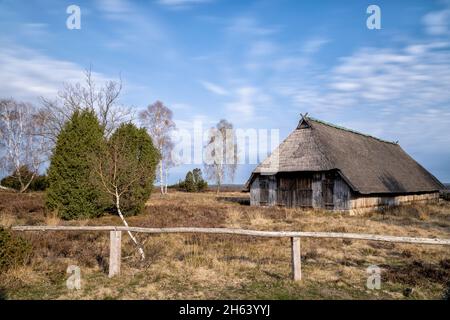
(368, 164)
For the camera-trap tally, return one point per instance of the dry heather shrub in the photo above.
(287, 213)
(416, 272)
(417, 211)
(14, 250)
(6, 220)
(52, 219)
(258, 219)
(446, 295)
(20, 276)
(86, 249)
(25, 208)
(155, 248)
(233, 217)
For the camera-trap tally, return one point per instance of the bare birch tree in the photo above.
(157, 119)
(126, 165)
(168, 161)
(104, 101)
(221, 153)
(21, 141)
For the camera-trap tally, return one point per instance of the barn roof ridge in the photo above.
(349, 130)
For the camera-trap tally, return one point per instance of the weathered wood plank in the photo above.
(367, 203)
(257, 233)
(115, 253)
(296, 259)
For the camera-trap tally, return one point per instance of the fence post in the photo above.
(296, 259)
(115, 253)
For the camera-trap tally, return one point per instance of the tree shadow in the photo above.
(243, 201)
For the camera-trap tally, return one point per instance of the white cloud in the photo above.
(244, 105)
(437, 22)
(416, 76)
(114, 8)
(35, 29)
(313, 45)
(288, 63)
(346, 86)
(129, 24)
(248, 100)
(262, 48)
(214, 88)
(249, 26)
(177, 4)
(27, 74)
(397, 94)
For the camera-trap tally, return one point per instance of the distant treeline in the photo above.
(227, 187)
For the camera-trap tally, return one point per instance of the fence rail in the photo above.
(116, 236)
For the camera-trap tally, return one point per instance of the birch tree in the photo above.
(157, 119)
(103, 100)
(221, 153)
(125, 172)
(22, 144)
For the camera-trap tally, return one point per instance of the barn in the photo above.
(324, 166)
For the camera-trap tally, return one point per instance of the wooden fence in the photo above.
(116, 236)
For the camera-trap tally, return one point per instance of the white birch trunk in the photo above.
(141, 251)
(165, 180)
(161, 178)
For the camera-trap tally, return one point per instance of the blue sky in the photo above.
(258, 64)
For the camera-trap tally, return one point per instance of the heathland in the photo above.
(229, 267)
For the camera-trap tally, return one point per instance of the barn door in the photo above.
(286, 191)
(263, 190)
(327, 191)
(295, 191)
(304, 192)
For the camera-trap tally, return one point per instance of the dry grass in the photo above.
(223, 266)
(7, 220)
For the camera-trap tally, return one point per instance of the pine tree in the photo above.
(189, 182)
(71, 192)
(200, 183)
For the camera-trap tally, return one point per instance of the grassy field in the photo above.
(230, 267)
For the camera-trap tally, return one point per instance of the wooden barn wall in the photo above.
(293, 190)
(317, 199)
(263, 191)
(342, 194)
(272, 190)
(301, 190)
(361, 204)
(254, 192)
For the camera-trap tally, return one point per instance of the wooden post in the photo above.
(296, 259)
(115, 253)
